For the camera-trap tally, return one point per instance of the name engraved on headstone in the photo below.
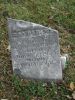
(35, 50)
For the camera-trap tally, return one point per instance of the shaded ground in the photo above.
(58, 14)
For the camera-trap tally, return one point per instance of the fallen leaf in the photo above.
(4, 99)
(73, 95)
(72, 86)
(69, 97)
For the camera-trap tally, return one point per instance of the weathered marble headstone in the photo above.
(35, 50)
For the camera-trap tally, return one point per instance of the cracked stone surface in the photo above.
(35, 51)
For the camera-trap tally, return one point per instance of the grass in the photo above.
(58, 14)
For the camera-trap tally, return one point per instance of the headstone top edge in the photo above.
(9, 20)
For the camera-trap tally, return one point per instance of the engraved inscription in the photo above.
(32, 48)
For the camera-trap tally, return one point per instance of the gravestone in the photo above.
(35, 50)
